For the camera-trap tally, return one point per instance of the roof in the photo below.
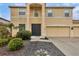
(13, 6)
(17, 6)
(61, 7)
(4, 19)
(46, 7)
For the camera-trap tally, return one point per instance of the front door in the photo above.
(36, 29)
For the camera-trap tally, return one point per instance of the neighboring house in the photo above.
(44, 21)
(4, 21)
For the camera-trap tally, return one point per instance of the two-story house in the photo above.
(44, 21)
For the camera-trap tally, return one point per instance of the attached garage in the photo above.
(76, 31)
(58, 31)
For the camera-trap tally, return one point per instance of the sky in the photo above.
(5, 10)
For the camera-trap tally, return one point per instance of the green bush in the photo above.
(4, 32)
(10, 38)
(25, 35)
(3, 42)
(15, 44)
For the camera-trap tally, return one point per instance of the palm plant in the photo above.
(10, 26)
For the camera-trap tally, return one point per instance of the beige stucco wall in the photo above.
(14, 12)
(59, 11)
(60, 21)
(14, 31)
(16, 22)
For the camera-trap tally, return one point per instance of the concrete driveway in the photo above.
(69, 46)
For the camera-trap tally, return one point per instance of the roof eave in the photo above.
(4, 19)
(60, 7)
(17, 6)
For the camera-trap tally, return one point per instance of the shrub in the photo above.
(15, 44)
(3, 42)
(24, 35)
(4, 32)
(10, 38)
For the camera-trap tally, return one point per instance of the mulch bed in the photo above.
(30, 47)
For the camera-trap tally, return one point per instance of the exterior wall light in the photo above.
(72, 28)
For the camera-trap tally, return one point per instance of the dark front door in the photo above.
(36, 29)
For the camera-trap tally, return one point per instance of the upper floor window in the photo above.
(66, 13)
(22, 11)
(49, 13)
(36, 13)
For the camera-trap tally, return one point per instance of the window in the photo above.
(22, 11)
(21, 27)
(49, 13)
(66, 13)
(36, 13)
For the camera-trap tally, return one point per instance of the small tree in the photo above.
(4, 33)
(10, 25)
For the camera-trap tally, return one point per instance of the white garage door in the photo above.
(57, 31)
(76, 32)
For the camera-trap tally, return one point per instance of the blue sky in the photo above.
(5, 11)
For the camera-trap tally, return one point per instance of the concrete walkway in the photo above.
(37, 38)
(69, 46)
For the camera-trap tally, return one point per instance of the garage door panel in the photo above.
(76, 31)
(57, 31)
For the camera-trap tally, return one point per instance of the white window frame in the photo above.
(22, 10)
(66, 11)
(49, 11)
